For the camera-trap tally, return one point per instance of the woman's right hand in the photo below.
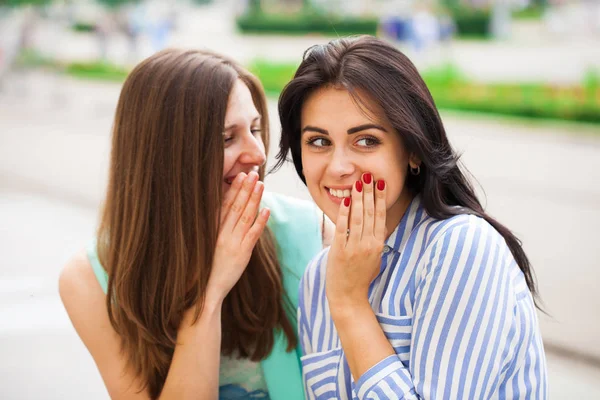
(240, 230)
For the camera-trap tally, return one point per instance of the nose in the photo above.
(341, 164)
(253, 151)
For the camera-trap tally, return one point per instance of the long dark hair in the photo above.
(387, 76)
(158, 227)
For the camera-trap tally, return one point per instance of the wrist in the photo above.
(348, 308)
(211, 311)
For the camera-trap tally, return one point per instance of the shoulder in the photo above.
(463, 230)
(77, 282)
(82, 297)
(467, 245)
(80, 292)
(85, 303)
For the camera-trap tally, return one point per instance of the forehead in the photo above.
(240, 105)
(337, 106)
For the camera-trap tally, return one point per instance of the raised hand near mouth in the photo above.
(355, 255)
(240, 230)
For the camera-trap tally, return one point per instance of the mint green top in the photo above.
(297, 230)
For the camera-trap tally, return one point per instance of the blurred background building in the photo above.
(517, 83)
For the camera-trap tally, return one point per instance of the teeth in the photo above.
(339, 193)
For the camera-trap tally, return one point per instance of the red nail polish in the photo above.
(358, 186)
(347, 201)
(367, 178)
(380, 185)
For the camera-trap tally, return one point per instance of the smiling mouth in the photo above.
(339, 193)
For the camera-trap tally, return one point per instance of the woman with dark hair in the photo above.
(187, 292)
(422, 294)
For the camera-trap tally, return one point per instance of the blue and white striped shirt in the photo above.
(454, 305)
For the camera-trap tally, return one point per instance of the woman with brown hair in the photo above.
(187, 292)
(422, 294)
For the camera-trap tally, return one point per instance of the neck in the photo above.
(396, 212)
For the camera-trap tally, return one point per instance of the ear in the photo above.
(414, 161)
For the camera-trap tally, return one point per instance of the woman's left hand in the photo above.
(355, 256)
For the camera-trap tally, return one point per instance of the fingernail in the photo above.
(252, 176)
(367, 178)
(358, 186)
(258, 187)
(380, 185)
(347, 201)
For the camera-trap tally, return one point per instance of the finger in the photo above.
(249, 214)
(231, 194)
(356, 214)
(341, 224)
(380, 210)
(239, 204)
(368, 205)
(257, 229)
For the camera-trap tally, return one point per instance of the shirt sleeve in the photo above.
(461, 320)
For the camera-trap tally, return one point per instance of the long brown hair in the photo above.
(160, 222)
(373, 66)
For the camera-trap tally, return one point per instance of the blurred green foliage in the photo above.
(18, 3)
(116, 3)
(471, 22)
(450, 88)
(534, 12)
(33, 59)
(100, 70)
(308, 21)
(453, 90)
(83, 27)
(97, 70)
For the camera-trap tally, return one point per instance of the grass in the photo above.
(100, 70)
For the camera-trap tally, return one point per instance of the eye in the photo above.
(318, 142)
(368, 141)
(256, 131)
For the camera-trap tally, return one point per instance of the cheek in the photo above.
(392, 169)
(229, 158)
(311, 166)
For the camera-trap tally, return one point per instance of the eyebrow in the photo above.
(233, 126)
(350, 131)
